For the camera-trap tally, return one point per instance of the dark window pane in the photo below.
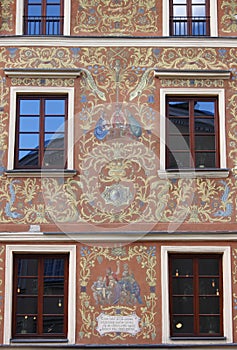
(210, 325)
(27, 286)
(26, 305)
(183, 267)
(205, 160)
(28, 267)
(178, 142)
(183, 305)
(28, 158)
(53, 286)
(204, 125)
(208, 285)
(178, 108)
(29, 107)
(208, 267)
(53, 305)
(54, 158)
(209, 305)
(26, 324)
(179, 160)
(178, 125)
(183, 286)
(54, 267)
(183, 325)
(30, 124)
(205, 142)
(53, 324)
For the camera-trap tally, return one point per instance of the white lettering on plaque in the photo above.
(118, 324)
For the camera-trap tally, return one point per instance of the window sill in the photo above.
(194, 173)
(198, 338)
(40, 173)
(54, 340)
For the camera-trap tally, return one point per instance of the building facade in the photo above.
(118, 144)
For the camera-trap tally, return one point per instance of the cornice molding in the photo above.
(195, 74)
(42, 73)
(70, 41)
(114, 237)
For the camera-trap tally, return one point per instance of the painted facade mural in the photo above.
(7, 19)
(117, 187)
(108, 18)
(117, 140)
(229, 20)
(116, 17)
(118, 284)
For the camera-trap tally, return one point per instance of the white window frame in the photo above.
(227, 291)
(40, 249)
(213, 18)
(220, 93)
(14, 91)
(20, 14)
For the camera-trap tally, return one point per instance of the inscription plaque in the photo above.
(118, 324)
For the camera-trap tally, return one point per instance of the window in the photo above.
(189, 17)
(40, 290)
(222, 262)
(192, 132)
(195, 295)
(41, 132)
(43, 17)
(21, 11)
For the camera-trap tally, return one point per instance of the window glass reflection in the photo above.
(29, 107)
(34, 10)
(180, 11)
(29, 124)
(54, 107)
(204, 108)
(54, 124)
(29, 141)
